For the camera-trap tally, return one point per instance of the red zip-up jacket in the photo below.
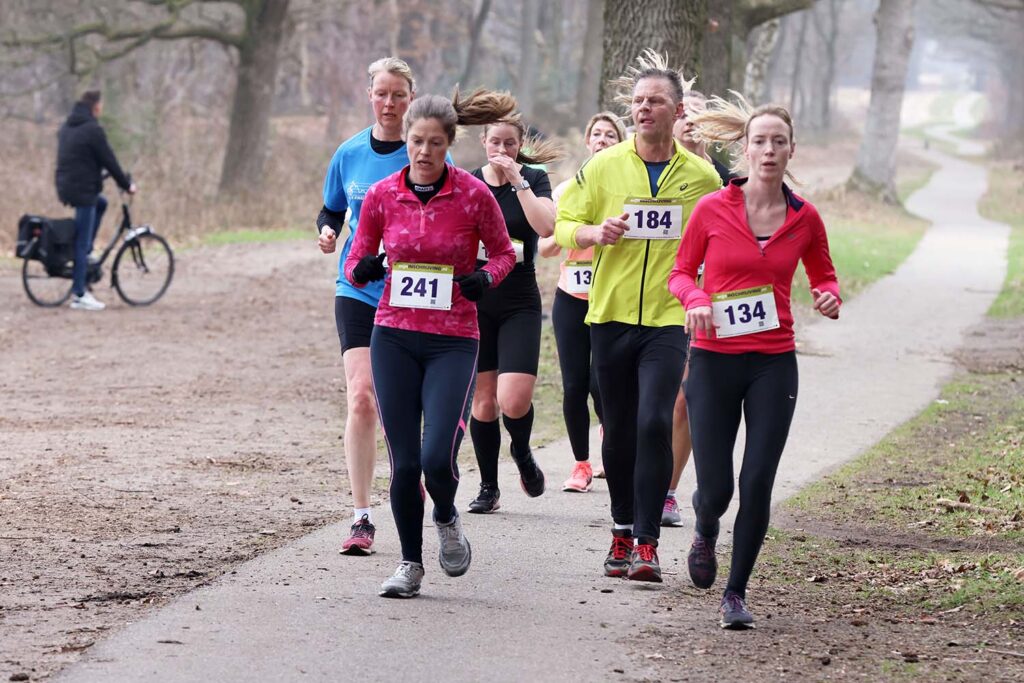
(446, 230)
(719, 236)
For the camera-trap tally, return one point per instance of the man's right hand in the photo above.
(609, 232)
(328, 241)
(133, 188)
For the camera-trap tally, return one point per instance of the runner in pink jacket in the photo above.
(446, 230)
(431, 218)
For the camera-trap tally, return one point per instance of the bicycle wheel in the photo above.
(143, 269)
(42, 288)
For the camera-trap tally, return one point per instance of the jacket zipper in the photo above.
(647, 245)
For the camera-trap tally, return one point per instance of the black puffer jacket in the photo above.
(82, 154)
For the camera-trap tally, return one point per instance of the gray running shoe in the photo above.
(735, 614)
(670, 512)
(404, 583)
(455, 554)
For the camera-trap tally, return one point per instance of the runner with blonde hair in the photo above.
(568, 312)
(358, 163)
(750, 236)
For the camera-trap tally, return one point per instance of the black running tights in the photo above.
(423, 379)
(721, 386)
(572, 337)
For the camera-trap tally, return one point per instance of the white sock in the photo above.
(358, 515)
(671, 493)
(620, 527)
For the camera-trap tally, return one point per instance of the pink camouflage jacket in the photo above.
(444, 231)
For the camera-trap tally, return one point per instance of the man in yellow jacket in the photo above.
(631, 202)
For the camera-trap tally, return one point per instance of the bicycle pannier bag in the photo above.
(57, 246)
(30, 234)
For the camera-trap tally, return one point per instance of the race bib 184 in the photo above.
(744, 311)
(578, 275)
(651, 218)
(421, 285)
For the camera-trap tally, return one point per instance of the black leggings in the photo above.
(572, 337)
(721, 386)
(639, 370)
(429, 378)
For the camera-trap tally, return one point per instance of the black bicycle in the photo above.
(141, 273)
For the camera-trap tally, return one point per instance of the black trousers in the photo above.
(639, 370)
(720, 388)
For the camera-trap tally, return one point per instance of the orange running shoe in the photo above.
(581, 478)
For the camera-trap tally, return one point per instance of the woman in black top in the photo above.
(509, 315)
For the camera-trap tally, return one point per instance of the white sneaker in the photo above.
(86, 302)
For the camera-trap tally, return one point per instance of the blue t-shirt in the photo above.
(353, 169)
(654, 171)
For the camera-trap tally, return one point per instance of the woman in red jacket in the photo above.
(749, 235)
(431, 217)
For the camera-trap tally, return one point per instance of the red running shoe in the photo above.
(643, 565)
(360, 542)
(617, 562)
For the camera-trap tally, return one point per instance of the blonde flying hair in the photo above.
(392, 65)
(607, 117)
(532, 149)
(480, 107)
(725, 124)
(649, 64)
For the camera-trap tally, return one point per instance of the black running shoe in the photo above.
(530, 476)
(702, 562)
(734, 612)
(487, 500)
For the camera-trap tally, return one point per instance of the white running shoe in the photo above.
(86, 302)
(404, 583)
(455, 553)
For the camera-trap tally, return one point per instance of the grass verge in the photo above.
(215, 239)
(1004, 202)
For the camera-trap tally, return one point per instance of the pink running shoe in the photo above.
(670, 512)
(360, 542)
(581, 478)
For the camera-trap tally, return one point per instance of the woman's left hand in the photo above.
(826, 303)
(507, 167)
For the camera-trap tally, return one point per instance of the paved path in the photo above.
(535, 592)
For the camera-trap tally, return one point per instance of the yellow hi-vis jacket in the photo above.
(630, 278)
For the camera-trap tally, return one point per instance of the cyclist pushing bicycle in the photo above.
(83, 153)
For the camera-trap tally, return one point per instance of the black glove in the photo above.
(369, 269)
(473, 285)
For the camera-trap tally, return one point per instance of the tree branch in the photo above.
(752, 13)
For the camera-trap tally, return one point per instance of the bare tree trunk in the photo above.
(716, 59)
(249, 133)
(794, 83)
(668, 27)
(876, 162)
(764, 39)
(474, 41)
(588, 88)
(528, 56)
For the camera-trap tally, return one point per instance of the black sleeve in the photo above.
(539, 181)
(109, 161)
(330, 218)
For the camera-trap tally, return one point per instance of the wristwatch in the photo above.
(488, 277)
(525, 185)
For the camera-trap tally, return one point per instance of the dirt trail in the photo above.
(144, 450)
